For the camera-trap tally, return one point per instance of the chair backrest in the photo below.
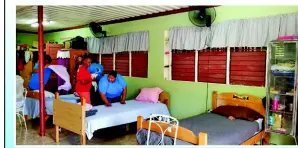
(19, 88)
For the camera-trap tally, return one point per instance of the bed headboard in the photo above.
(164, 98)
(235, 99)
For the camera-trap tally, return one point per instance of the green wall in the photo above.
(26, 38)
(187, 98)
(59, 36)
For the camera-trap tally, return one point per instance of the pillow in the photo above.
(149, 95)
(238, 112)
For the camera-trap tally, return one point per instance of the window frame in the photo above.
(169, 65)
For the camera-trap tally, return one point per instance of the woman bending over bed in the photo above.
(34, 80)
(112, 88)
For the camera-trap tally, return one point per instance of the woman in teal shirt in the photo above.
(112, 88)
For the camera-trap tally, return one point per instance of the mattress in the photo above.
(32, 105)
(220, 130)
(120, 114)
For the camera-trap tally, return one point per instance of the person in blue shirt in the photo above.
(34, 80)
(112, 88)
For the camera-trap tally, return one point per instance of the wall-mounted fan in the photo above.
(203, 17)
(96, 30)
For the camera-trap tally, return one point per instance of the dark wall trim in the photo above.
(137, 18)
(69, 28)
(23, 31)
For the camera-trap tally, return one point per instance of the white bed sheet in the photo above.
(260, 122)
(120, 114)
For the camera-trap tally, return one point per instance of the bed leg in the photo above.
(83, 139)
(57, 133)
(266, 138)
(202, 139)
(139, 122)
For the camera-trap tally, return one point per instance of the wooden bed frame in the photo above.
(35, 95)
(71, 116)
(227, 98)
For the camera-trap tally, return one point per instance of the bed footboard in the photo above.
(69, 116)
(255, 139)
(183, 133)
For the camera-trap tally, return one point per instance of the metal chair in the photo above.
(20, 106)
(171, 122)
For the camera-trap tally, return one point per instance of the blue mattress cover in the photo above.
(220, 130)
(32, 105)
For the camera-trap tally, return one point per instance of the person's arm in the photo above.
(102, 89)
(122, 82)
(104, 99)
(124, 94)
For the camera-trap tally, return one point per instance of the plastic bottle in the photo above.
(275, 103)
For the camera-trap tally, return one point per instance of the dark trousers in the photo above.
(114, 100)
(95, 97)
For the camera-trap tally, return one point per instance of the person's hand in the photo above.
(231, 118)
(109, 105)
(122, 102)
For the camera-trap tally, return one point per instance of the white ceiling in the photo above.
(70, 16)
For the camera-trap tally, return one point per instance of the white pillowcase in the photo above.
(260, 122)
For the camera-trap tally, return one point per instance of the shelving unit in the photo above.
(281, 83)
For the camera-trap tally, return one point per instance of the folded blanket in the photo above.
(91, 112)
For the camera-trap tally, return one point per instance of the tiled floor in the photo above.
(102, 137)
